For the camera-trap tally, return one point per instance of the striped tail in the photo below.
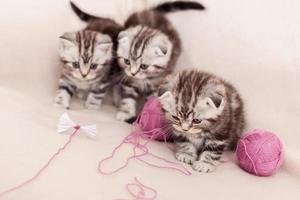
(178, 6)
(82, 15)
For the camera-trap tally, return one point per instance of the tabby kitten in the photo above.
(148, 50)
(206, 115)
(88, 61)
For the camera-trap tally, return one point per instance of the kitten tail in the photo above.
(178, 5)
(82, 15)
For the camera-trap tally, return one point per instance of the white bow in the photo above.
(65, 123)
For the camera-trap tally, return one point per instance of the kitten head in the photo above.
(143, 52)
(85, 54)
(193, 103)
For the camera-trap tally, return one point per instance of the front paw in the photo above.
(203, 166)
(62, 100)
(93, 103)
(184, 157)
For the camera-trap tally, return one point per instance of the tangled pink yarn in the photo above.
(152, 121)
(150, 125)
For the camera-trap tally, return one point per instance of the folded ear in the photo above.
(161, 45)
(167, 101)
(216, 101)
(215, 93)
(103, 48)
(123, 37)
(104, 42)
(71, 36)
(68, 49)
(160, 50)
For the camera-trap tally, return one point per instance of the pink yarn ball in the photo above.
(260, 153)
(152, 121)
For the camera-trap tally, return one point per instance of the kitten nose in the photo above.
(83, 75)
(185, 126)
(133, 74)
(133, 71)
(84, 70)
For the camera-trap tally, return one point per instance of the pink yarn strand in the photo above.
(183, 170)
(249, 157)
(141, 193)
(134, 139)
(112, 156)
(44, 167)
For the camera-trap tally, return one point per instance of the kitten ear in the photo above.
(215, 93)
(128, 34)
(161, 45)
(104, 43)
(167, 101)
(160, 50)
(216, 101)
(69, 36)
(68, 49)
(122, 34)
(123, 37)
(103, 48)
(123, 44)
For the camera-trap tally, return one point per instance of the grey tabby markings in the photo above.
(88, 61)
(148, 50)
(206, 114)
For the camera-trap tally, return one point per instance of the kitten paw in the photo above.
(202, 166)
(93, 103)
(123, 116)
(184, 157)
(62, 100)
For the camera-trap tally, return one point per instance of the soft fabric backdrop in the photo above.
(254, 44)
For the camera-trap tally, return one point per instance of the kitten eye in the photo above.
(143, 66)
(94, 66)
(197, 121)
(76, 65)
(126, 61)
(176, 118)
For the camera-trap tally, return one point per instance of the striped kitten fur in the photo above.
(148, 50)
(206, 115)
(88, 61)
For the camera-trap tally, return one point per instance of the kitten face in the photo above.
(143, 52)
(191, 120)
(193, 102)
(85, 53)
